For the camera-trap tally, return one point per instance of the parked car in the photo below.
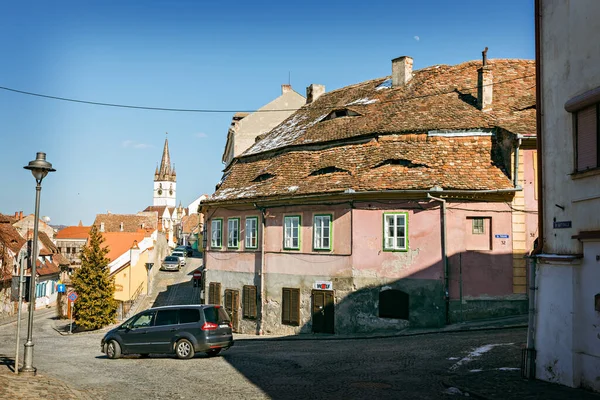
(187, 250)
(171, 263)
(181, 256)
(181, 330)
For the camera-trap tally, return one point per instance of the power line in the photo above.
(96, 103)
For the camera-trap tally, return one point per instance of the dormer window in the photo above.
(341, 113)
(263, 177)
(329, 170)
(402, 162)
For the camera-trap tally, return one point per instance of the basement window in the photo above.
(393, 304)
(328, 170)
(341, 113)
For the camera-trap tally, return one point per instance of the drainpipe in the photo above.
(516, 166)
(444, 255)
(528, 370)
(260, 324)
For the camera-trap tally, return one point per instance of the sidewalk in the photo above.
(25, 315)
(508, 385)
(519, 321)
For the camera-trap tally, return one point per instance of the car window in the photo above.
(178, 254)
(211, 315)
(223, 317)
(166, 317)
(171, 259)
(187, 315)
(143, 320)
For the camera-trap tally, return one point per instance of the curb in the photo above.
(394, 335)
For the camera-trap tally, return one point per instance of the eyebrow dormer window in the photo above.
(341, 113)
(263, 177)
(328, 170)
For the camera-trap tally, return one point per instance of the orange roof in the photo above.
(74, 232)
(120, 242)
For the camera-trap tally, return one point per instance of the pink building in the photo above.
(402, 201)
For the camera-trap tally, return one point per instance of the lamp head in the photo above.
(39, 167)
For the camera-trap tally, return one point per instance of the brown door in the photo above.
(232, 306)
(322, 311)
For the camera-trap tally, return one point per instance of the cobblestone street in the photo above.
(436, 366)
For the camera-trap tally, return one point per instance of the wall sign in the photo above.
(504, 236)
(562, 224)
(323, 285)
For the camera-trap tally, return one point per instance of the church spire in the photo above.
(165, 172)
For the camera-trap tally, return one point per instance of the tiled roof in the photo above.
(10, 237)
(131, 222)
(8, 218)
(389, 146)
(159, 209)
(46, 268)
(60, 259)
(189, 223)
(436, 98)
(74, 232)
(48, 243)
(120, 242)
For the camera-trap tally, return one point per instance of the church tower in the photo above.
(165, 181)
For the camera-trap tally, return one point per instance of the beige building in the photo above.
(566, 331)
(246, 127)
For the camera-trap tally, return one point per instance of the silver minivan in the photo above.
(181, 330)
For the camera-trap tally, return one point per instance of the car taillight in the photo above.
(209, 326)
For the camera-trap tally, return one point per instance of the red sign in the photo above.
(197, 274)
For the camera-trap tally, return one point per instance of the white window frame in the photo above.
(216, 233)
(233, 233)
(396, 220)
(322, 231)
(291, 232)
(251, 233)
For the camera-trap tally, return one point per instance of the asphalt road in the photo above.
(389, 368)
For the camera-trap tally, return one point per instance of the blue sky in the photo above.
(196, 55)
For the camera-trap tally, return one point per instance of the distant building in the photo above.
(165, 181)
(70, 240)
(247, 127)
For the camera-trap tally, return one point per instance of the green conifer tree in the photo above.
(95, 306)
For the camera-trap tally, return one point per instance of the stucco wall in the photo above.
(359, 268)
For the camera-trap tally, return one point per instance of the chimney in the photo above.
(286, 89)
(20, 215)
(17, 215)
(485, 87)
(401, 70)
(313, 92)
(134, 254)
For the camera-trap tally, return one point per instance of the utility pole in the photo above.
(19, 304)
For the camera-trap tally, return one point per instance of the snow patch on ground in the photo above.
(476, 370)
(476, 353)
(293, 188)
(508, 369)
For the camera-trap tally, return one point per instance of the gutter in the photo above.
(444, 255)
(350, 193)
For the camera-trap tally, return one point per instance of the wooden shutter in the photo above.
(214, 293)
(587, 138)
(249, 302)
(229, 302)
(290, 306)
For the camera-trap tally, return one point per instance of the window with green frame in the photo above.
(233, 233)
(216, 231)
(322, 232)
(291, 232)
(251, 233)
(395, 231)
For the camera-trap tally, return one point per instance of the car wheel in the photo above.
(213, 352)
(184, 349)
(113, 349)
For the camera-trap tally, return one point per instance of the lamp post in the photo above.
(39, 168)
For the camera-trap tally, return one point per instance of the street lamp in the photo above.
(39, 168)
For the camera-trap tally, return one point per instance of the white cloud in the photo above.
(201, 135)
(417, 38)
(135, 145)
